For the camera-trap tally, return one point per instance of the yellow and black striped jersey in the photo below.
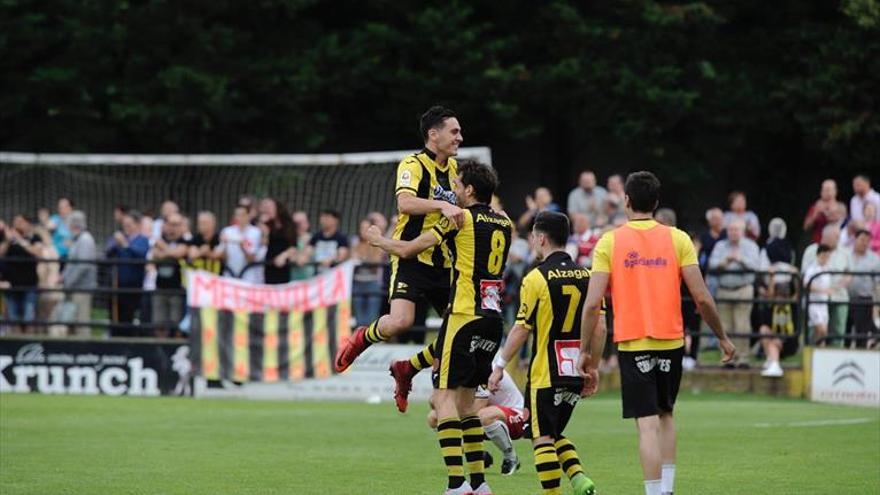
(552, 298)
(479, 254)
(420, 175)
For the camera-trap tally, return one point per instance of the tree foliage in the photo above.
(685, 87)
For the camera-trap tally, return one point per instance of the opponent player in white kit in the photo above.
(503, 416)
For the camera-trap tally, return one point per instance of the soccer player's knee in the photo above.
(432, 420)
(398, 323)
(491, 414)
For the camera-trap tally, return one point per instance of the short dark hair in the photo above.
(27, 218)
(861, 232)
(134, 214)
(433, 118)
(823, 248)
(67, 198)
(331, 212)
(735, 194)
(863, 177)
(554, 225)
(481, 177)
(643, 189)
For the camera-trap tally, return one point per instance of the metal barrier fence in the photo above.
(111, 297)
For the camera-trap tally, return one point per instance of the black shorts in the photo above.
(649, 381)
(466, 346)
(413, 280)
(550, 410)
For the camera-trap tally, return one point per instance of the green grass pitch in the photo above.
(102, 445)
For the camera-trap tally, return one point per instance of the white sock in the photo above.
(652, 487)
(668, 478)
(497, 432)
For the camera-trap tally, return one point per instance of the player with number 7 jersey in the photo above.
(552, 297)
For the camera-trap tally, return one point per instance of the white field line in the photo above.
(822, 422)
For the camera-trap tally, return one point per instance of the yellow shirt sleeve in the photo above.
(684, 248)
(602, 253)
(529, 294)
(409, 174)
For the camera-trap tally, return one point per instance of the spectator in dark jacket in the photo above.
(128, 245)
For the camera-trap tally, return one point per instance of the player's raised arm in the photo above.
(403, 249)
(409, 204)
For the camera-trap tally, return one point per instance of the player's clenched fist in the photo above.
(453, 213)
(373, 235)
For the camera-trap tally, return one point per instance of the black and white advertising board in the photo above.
(94, 367)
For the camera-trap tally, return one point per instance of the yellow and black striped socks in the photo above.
(424, 358)
(472, 436)
(450, 437)
(547, 466)
(568, 457)
(372, 334)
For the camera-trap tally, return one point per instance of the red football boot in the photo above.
(403, 373)
(354, 346)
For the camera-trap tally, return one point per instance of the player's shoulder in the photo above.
(680, 237)
(534, 276)
(410, 160)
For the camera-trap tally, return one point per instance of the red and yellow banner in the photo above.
(269, 333)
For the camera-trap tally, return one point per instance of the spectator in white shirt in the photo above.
(863, 193)
(839, 260)
(240, 244)
(167, 209)
(821, 289)
(739, 255)
(588, 197)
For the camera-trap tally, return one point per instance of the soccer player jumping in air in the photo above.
(472, 326)
(424, 196)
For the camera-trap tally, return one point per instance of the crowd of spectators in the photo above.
(752, 272)
(146, 259)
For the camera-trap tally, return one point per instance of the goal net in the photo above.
(353, 184)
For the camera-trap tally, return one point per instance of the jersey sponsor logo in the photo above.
(646, 363)
(482, 344)
(567, 354)
(441, 194)
(563, 395)
(406, 178)
(577, 273)
(633, 259)
(504, 222)
(490, 295)
(402, 286)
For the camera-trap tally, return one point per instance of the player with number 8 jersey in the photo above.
(472, 325)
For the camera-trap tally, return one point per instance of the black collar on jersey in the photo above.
(431, 154)
(557, 256)
(478, 205)
(640, 219)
